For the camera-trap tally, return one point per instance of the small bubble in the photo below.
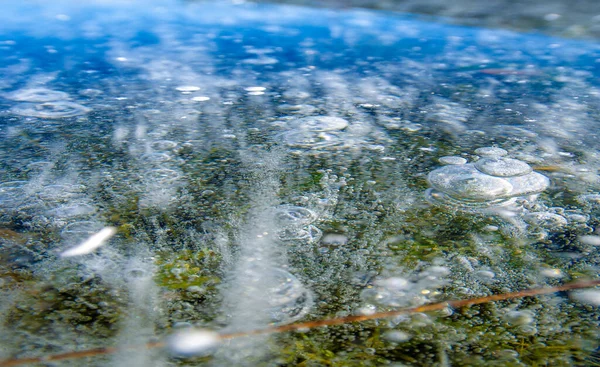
(491, 152)
(552, 273)
(452, 160)
(200, 99)
(484, 275)
(334, 239)
(519, 317)
(545, 220)
(187, 88)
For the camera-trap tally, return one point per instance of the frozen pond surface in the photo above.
(174, 170)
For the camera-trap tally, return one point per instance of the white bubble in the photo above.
(319, 123)
(308, 234)
(467, 183)
(590, 240)
(80, 229)
(484, 275)
(37, 95)
(72, 210)
(162, 175)
(552, 273)
(255, 89)
(187, 88)
(157, 157)
(315, 140)
(503, 167)
(532, 183)
(50, 110)
(291, 215)
(490, 181)
(589, 296)
(519, 317)
(261, 61)
(491, 152)
(334, 239)
(163, 145)
(396, 336)
(545, 220)
(200, 99)
(394, 283)
(288, 299)
(452, 160)
(193, 342)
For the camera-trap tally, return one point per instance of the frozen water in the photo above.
(37, 95)
(452, 160)
(503, 167)
(319, 123)
(494, 180)
(50, 110)
(288, 299)
(291, 215)
(491, 152)
(193, 342)
(466, 182)
(266, 165)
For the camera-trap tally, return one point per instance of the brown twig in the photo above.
(315, 324)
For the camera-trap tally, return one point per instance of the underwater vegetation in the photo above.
(213, 184)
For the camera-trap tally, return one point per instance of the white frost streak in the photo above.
(92, 243)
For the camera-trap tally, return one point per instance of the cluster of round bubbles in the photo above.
(316, 132)
(492, 180)
(295, 224)
(44, 103)
(288, 299)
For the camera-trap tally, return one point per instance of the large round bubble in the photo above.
(493, 180)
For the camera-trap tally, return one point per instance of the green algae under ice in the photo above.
(210, 168)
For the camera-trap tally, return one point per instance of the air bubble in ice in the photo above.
(50, 110)
(491, 152)
(590, 240)
(493, 180)
(589, 296)
(545, 220)
(288, 299)
(193, 342)
(163, 145)
(187, 88)
(312, 139)
(291, 215)
(319, 123)
(72, 210)
(162, 175)
(503, 167)
(466, 182)
(452, 160)
(519, 317)
(396, 336)
(37, 95)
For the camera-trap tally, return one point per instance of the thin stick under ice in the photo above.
(92, 243)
